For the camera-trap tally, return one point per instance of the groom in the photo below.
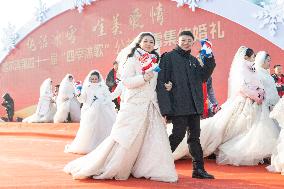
(180, 97)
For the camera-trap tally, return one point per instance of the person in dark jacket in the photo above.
(180, 97)
(112, 81)
(8, 103)
(279, 79)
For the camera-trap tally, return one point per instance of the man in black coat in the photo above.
(180, 97)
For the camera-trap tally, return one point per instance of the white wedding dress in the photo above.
(97, 117)
(71, 105)
(251, 147)
(138, 143)
(46, 108)
(277, 158)
(237, 116)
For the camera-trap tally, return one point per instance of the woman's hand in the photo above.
(148, 76)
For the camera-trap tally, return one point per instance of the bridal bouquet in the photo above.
(78, 87)
(148, 61)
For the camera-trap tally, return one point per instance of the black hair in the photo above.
(70, 76)
(277, 65)
(57, 86)
(96, 74)
(186, 32)
(138, 46)
(249, 52)
(266, 56)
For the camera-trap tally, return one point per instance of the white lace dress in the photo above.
(97, 119)
(277, 158)
(138, 143)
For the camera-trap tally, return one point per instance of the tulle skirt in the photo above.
(236, 117)
(95, 125)
(71, 106)
(47, 117)
(252, 147)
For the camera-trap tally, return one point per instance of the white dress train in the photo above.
(235, 117)
(251, 147)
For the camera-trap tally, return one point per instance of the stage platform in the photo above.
(32, 157)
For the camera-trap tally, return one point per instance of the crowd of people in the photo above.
(146, 115)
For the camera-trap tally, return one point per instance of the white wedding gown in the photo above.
(277, 158)
(45, 108)
(138, 143)
(251, 147)
(64, 107)
(97, 119)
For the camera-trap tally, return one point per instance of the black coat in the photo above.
(110, 82)
(187, 76)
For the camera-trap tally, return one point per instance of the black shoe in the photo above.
(266, 161)
(201, 174)
(212, 156)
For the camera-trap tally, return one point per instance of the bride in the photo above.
(138, 143)
(45, 108)
(238, 113)
(251, 147)
(67, 102)
(97, 116)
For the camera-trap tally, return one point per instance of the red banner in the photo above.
(76, 43)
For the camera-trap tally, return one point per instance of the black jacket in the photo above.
(110, 82)
(187, 76)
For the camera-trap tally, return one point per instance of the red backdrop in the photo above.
(76, 43)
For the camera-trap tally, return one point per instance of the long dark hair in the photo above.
(138, 46)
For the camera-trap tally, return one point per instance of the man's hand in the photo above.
(165, 119)
(168, 86)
